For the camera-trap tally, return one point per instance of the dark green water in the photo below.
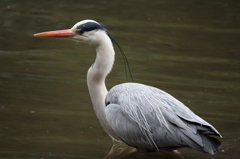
(188, 48)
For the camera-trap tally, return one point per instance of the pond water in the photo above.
(189, 49)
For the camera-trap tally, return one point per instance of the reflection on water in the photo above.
(187, 48)
(120, 151)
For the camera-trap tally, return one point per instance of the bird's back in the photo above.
(148, 118)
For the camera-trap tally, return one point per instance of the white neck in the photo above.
(96, 76)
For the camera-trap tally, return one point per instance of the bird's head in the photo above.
(88, 31)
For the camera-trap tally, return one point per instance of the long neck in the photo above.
(96, 76)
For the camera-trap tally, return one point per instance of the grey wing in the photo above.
(146, 117)
(127, 128)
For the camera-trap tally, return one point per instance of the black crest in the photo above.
(89, 26)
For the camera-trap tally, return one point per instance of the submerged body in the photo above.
(141, 116)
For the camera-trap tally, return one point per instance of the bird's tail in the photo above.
(210, 144)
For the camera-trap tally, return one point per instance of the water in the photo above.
(188, 48)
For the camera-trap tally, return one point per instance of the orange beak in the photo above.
(57, 34)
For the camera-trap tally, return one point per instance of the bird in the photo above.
(141, 116)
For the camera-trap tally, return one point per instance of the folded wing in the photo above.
(148, 118)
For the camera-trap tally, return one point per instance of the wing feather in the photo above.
(144, 116)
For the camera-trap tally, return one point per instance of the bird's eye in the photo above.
(80, 32)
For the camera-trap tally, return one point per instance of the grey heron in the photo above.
(135, 114)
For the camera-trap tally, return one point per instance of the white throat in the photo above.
(96, 76)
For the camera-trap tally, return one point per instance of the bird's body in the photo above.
(138, 115)
(153, 119)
